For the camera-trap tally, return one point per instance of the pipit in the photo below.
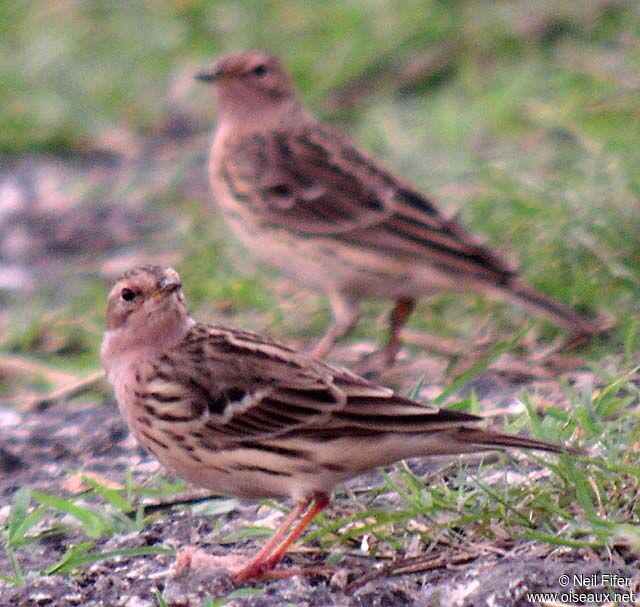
(304, 199)
(242, 414)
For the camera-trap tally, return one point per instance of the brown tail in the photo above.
(556, 311)
(496, 440)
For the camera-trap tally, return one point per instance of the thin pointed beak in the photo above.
(167, 286)
(208, 75)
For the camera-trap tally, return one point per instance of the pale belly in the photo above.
(242, 472)
(322, 264)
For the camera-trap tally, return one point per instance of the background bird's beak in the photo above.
(208, 75)
(219, 71)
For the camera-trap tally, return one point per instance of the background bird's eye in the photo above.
(127, 294)
(259, 70)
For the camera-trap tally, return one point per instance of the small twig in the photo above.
(76, 387)
(191, 499)
(282, 574)
(23, 366)
(417, 564)
(434, 344)
(542, 364)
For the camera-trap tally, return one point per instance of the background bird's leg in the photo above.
(345, 315)
(399, 315)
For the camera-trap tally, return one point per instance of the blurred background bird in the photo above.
(306, 200)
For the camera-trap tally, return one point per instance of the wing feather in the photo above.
(313, 182)
(248, 387)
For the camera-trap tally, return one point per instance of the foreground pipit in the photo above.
(304, 199)
(242, 414)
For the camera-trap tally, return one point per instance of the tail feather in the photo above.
(492, 440)
(554, 310)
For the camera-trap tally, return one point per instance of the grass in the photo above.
(36, 516)
(523, 117)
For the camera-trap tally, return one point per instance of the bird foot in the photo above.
(262, 572)
(191, 557)
(236, 567)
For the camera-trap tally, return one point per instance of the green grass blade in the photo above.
(93, 524)
(76, 557)
(480, 366)
(113, 496)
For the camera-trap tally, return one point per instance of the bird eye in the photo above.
(259, 70)
(127, 294)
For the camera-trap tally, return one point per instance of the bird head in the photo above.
(144, 295)
(249, 84)
(146, 312)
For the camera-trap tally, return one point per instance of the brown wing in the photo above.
(315, 183)
(243, 386)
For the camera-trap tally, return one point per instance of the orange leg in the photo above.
(272, 553)
(398, 318)
(318, 505)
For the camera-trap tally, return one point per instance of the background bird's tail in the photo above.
(554, 310)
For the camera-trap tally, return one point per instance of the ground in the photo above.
(522, 118)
